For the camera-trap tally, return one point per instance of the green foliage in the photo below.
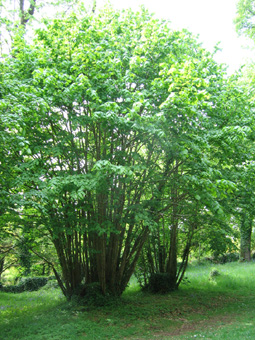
(26, 284)
(245, 196)
(24, 257)
(32, 283)
(118, 132)
(93, 116)
(245, 18)
(226, 258)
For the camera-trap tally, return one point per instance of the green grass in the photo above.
(221, 307)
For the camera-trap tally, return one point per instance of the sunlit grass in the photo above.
(233, 276)
(204, 307)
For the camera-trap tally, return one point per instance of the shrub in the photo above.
(32, 283)
(224, 258)
(26, 284)
(214, 273)
(229, 257)
(12, 289)
(160, 283)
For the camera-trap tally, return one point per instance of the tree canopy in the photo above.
(119, 141)
(244, 20)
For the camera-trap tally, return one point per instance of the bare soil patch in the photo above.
(194, 325)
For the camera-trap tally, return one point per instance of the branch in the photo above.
(94, 6)
(251, 11)
(25, 16)
(6, 251)
(7, 267)
(60, 282)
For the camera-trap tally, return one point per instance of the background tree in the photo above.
(23, 16)
(200, 128)
(245, 25)
(244, 20)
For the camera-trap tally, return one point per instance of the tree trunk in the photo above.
(1, 267)
(245, 244)
(172, 259)
(25, 15)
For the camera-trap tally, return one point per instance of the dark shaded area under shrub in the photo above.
(91, 294)
(160, 283)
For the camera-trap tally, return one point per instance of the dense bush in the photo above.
(224, 258)
(12, 289)
(33, 283)
(229, 257)
(26, 284)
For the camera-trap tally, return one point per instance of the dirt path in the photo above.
(187, 326)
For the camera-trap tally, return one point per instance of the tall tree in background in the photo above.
(245, 25)
(18, 16)
(244, 20)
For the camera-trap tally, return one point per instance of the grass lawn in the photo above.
(221, 307)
